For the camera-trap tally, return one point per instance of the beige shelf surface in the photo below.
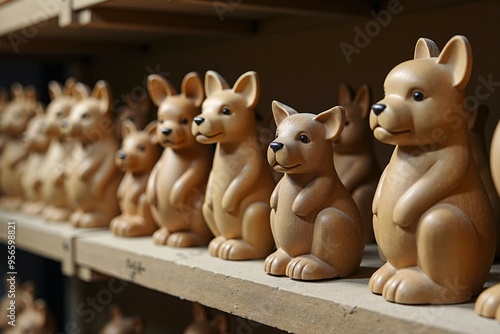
(242, 288)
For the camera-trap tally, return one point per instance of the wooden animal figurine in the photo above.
(136, 157)
(488, 302)
(476, 121)
(118, 324)
(56, 159)
(4, 99)
(15, 119)
(35, 318)
(236, 205)
(32, 178)
(21, 293)
(202, 324)
(316, 225)
(176, 184)
(138, 110)
(354, 155)
(91, 178)
(431, 214)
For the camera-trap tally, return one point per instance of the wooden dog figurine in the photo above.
(431, 214)
(32, 178)
(178, 180)
(60, 148)
(91, 178)
(488, 302)
(137, 110)
(202, 324)
(122, 325)
(354, 156)
(137, 156)
(315, 222)
(15, 119)
(236, 205)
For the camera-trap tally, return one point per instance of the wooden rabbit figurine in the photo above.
(315, 222)
(354, 156)
(202, 325)
(122, 325)
(32, 178)
(137, 110)
(431, 214)
(136, 157)
(476, 121)
(488, 302)
(91, 178)
(15, 119)
(56, 159)
(178, 180)
(236, 205)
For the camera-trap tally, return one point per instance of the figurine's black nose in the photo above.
(166, 131)
(64, 124)
(121, 155)
(275, 146)
(378, 108)
(198, 120)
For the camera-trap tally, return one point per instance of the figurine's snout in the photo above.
(275, 146)
(198, 120)
(166, 131)
(121, 155)
(378, 108)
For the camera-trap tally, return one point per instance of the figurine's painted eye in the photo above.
(184, 120)
(346, 123)
(59, 114)
(141, 148)
(418, 96)
(160, 121)
(226, 111)
(304, 139)
(85, 116)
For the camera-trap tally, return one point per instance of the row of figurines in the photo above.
(431, 215)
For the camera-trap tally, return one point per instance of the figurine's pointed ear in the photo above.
(55, 90)
(192, 88)
(159, 88)
(220, 322)
(41, 309)
(4, 96)
(150, 129)
(115, 312)
(28, 287)
(457, 54)
(102, 92)
(199, 312)
(17, 90)
(128, 127)
(362, 99)
(333, 119)
(80, 91)
(281, 111)
(68, 86)
(345, 96)
(137, 325)
(30, 93)
(425, 48)
(249, 87)
(214, 82)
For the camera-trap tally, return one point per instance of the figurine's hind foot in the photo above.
(215, 244)
(380, 277)
(90, 220)
(239, 249)
(161, 235)
(185, 239)
(488, 303)
(276, 263)
(309, 268)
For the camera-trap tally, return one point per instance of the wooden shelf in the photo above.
(243, 288)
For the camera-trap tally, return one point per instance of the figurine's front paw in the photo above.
(488, 303)
(161, 235)
(276, 263)
(380, 277)
(309, 267)
(229, 204)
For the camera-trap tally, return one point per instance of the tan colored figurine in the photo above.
(60, 148)
(236, 205)
(15, 119)
(178, 180)
(91, 178)
(136, 157)
(431, 214)
(137, 110)
(316, 225)
(122, 325)
(32, 178)
(354, 155)
(24, 294)
(35, 318)
(202, 325)
(488, 302)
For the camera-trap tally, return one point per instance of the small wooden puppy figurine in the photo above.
(179, 178)
(138, 110)
(32, 179)
(136, 157)
(354, 156)
(56, 159)
(202, 325)
(15, 119)
(431, 214)
(236, 203)
(91, 178)
(315, 222)
(488, 302)
(122, 325)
